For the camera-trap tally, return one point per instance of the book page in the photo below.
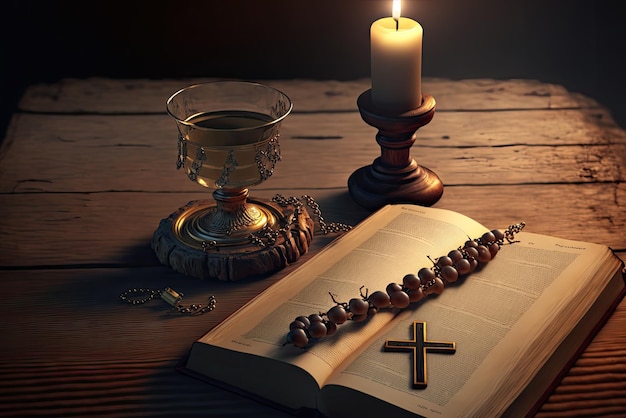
(395, 241)
(479, 314)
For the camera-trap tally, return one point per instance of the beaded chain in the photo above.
(173, 298)
(414, 287)
(140, 296)
(267, 236)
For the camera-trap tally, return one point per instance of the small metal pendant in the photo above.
(171, 296)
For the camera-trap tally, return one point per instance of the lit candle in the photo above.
(396, 54)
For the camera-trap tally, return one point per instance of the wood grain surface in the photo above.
(87, 171)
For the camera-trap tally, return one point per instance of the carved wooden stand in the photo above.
(395, 177)
(232, 262)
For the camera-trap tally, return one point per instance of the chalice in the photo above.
(228, 141)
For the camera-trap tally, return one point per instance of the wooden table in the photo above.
(87, 171)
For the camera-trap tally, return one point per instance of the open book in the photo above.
(518, 323)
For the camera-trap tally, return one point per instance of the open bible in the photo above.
(517, 323)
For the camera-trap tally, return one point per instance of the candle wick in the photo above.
(397, 24)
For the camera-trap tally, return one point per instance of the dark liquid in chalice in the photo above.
(231, 140)
(230, 119)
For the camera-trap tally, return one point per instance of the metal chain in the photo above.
(140, 296)
(268, 236)
(510, 232)
(325, 228)
(134, 296)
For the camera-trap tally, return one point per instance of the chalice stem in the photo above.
(234, 213)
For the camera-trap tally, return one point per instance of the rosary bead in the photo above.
(472, 252)
(494, 248)
(304, 320)
(298, 338)
(484, 255)
(411, 281)
(463, 266)
(379, 299)
(337, 314)
(436, 288)
(393, 287)
(444, 261)
(449, 274)
(470, 243)
(314, 318)
(488, 237)
(416, 295)
(499, 235)
(425, 275)
(399, 299)
(455, 255)
(297, 324)
(317, 330)
(358, 306)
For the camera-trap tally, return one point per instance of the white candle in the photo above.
(396, 59)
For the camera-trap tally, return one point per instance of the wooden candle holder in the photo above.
(395, 177)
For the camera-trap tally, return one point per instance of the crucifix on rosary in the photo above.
(420, 346)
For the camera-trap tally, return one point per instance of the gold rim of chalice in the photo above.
(174, 109)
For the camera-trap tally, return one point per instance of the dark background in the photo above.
(576, 43)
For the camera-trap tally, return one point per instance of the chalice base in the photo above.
(372, 186)
(187, 253)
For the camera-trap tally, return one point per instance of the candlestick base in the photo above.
(395, 177)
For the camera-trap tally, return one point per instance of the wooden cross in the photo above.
(419, 346)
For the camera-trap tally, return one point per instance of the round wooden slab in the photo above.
(233, 262)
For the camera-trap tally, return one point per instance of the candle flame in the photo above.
(395, 10)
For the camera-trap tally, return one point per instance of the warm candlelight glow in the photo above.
(395, 10)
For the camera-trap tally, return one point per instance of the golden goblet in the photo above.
(228, 141)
